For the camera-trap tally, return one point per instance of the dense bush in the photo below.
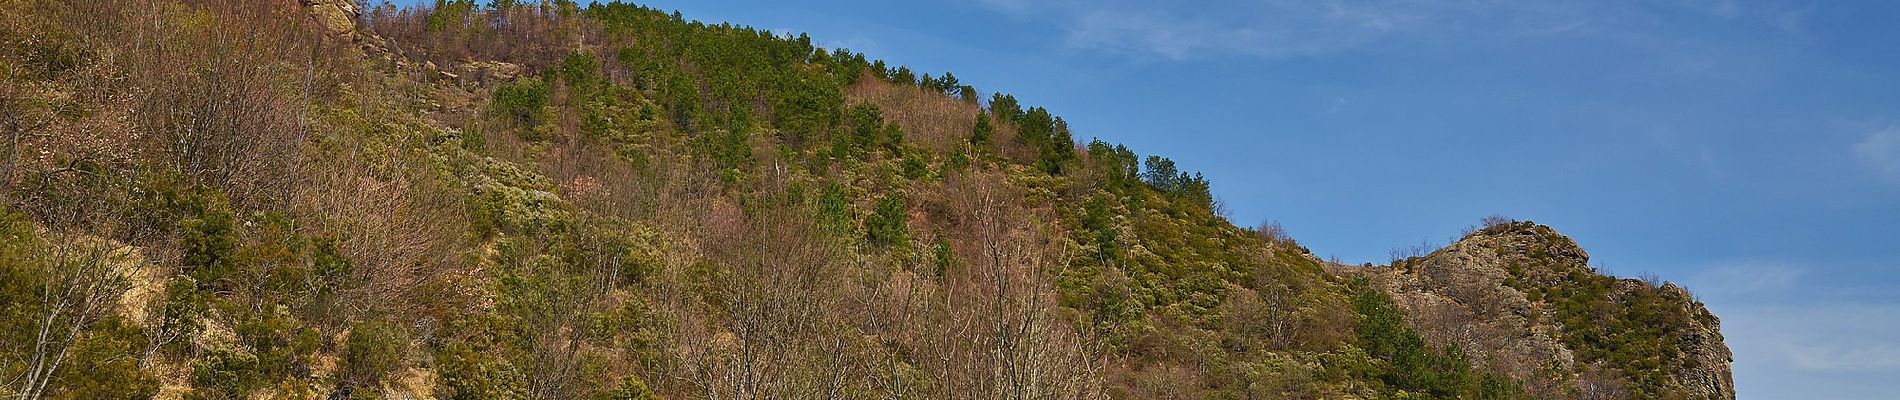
(89, 353)
(373, 350)
(522, 103)
(887, 223)
(1408, 365)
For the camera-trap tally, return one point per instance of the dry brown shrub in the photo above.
(214, 89)
(931, 120)
(536, 34)
(398, 225)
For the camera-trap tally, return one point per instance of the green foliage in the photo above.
(1409, 365)
(260, 274)
(809, 109)
(99, 362)
(1005, 107)
(183, 307)
(914, 166)
(903, 76)
(945, 258)
(1633, 331)
(466, 373)
(1049, 135)
(980, 134)
(374, 349)
(956, 161)
(101, 365)
(208, 242)
(1167, 287)
(1120, 168)
(868, 132)
(1099, 230)
(579, 69)
(450, 13)
(834, 207)
(631, 388)
(507, 198)
(1059, 150)
(272, 347)
(522, 103)
(888, 223)
(1162, 174)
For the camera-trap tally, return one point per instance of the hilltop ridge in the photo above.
(544, 200)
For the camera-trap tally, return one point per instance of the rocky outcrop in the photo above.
(1521, 299)
(1703, 344)
(481, 73)
(338, 17)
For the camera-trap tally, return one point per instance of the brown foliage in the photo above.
(932, 120)
(533, 34)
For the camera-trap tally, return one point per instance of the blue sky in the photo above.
(1747, 149)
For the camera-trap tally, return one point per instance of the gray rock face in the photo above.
(1704, 345)
(1492, 294)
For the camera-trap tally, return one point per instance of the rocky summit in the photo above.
(1523, 298)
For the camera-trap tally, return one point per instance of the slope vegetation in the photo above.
(276, 199)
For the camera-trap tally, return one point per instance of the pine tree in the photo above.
(980, 135)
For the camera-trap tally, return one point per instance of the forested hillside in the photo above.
(211, 199)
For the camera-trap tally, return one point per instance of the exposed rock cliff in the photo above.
(1522, 298)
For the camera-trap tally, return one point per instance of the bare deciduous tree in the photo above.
(81, 279)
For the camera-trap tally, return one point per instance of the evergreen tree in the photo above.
(1036, 126)
(948, 83)
(1005, 107)
(1161, 173)
(980, 134)
(903, 76)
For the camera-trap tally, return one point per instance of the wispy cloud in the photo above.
(1743, 280)
(1880, 150)
(1283, 28)
(1836, 337)
(1830, 354)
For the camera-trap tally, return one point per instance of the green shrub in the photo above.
(1410, 365)
(208, 242)
(914, 166)
(980, 134)
(468, 374)
(834, 207)
(224, 375)
(272, 348)
(374, 349)
(522, 103)
(888, 223)
(578, 69)
(631, 388)
(100, 367)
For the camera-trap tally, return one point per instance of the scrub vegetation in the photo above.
(212, 199)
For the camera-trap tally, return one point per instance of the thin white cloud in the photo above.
(1832, 355)
(1880, 150)
(1744, 280)
(1282, 28)
(1820, 337)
